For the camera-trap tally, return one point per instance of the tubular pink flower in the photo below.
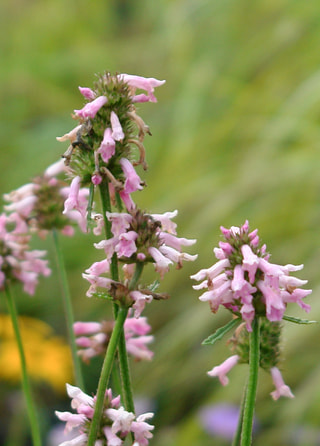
(224, 368)
(126, 246)
(86, 328)
(161, 262)
(24, 207)
(72, 202)
(250, 262)
(175, 242)
(70, 136)
(240, 286)
(121, 418)
(108, 146)
(117, 132)
(112, 439)
(98, 268)
(143, 83)
(281, 388)
(87, 93)
(165, 220)
(141, 429)
(120, 222)
(175, 255)
(248, 313)
(91, 108)
(133, 181)
(213, 271)
(296, 296)
(55, 169)
(275, 307)
(140, 301)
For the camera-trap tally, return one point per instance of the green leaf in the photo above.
(218, 334)
(297, 320)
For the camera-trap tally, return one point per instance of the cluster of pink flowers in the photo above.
(40, 203)
(111, 146)
(138, 237)
(246, 283)
(221, 371)
(93, 338)
(116, 426)
(17, 261)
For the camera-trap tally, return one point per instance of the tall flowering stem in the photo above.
(105, 375)
(68, 310)
(31, 410)
(108, 362)
(250, 396)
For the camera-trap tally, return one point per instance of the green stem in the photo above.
(68, 310)
(237, 435)
(35, 429)
(248, 413)
(123, 356)
(105, 375)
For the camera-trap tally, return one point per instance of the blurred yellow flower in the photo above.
(48, 356)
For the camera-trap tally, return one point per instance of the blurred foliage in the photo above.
(235, 136)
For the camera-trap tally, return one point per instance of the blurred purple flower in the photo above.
(220, 420)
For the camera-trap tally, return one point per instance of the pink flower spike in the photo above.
(250, 262)
(281, 388)
(117, 132)
(91, 108)
(133, 181)
(87, 93)
(224, 368)
(108, 146)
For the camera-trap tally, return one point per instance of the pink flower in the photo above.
(117, 132)
(87, 93)
(126, 246)
(147, 84)
(133, 181)
(91, 108)
(120, 222)
(165, 220)
(72, 202)
(140, 300)
(275, 307)
(108, 146)
(281, 388)
(70, 136)
(250, 262)
(224, 368)
(141, 429)
(162, 263)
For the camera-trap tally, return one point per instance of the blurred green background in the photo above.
(235, 136)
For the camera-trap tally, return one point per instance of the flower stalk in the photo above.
(31, 410)
(67, 309)
(250, 398)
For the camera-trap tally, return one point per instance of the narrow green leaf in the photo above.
(297, 320)
(218, 334)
